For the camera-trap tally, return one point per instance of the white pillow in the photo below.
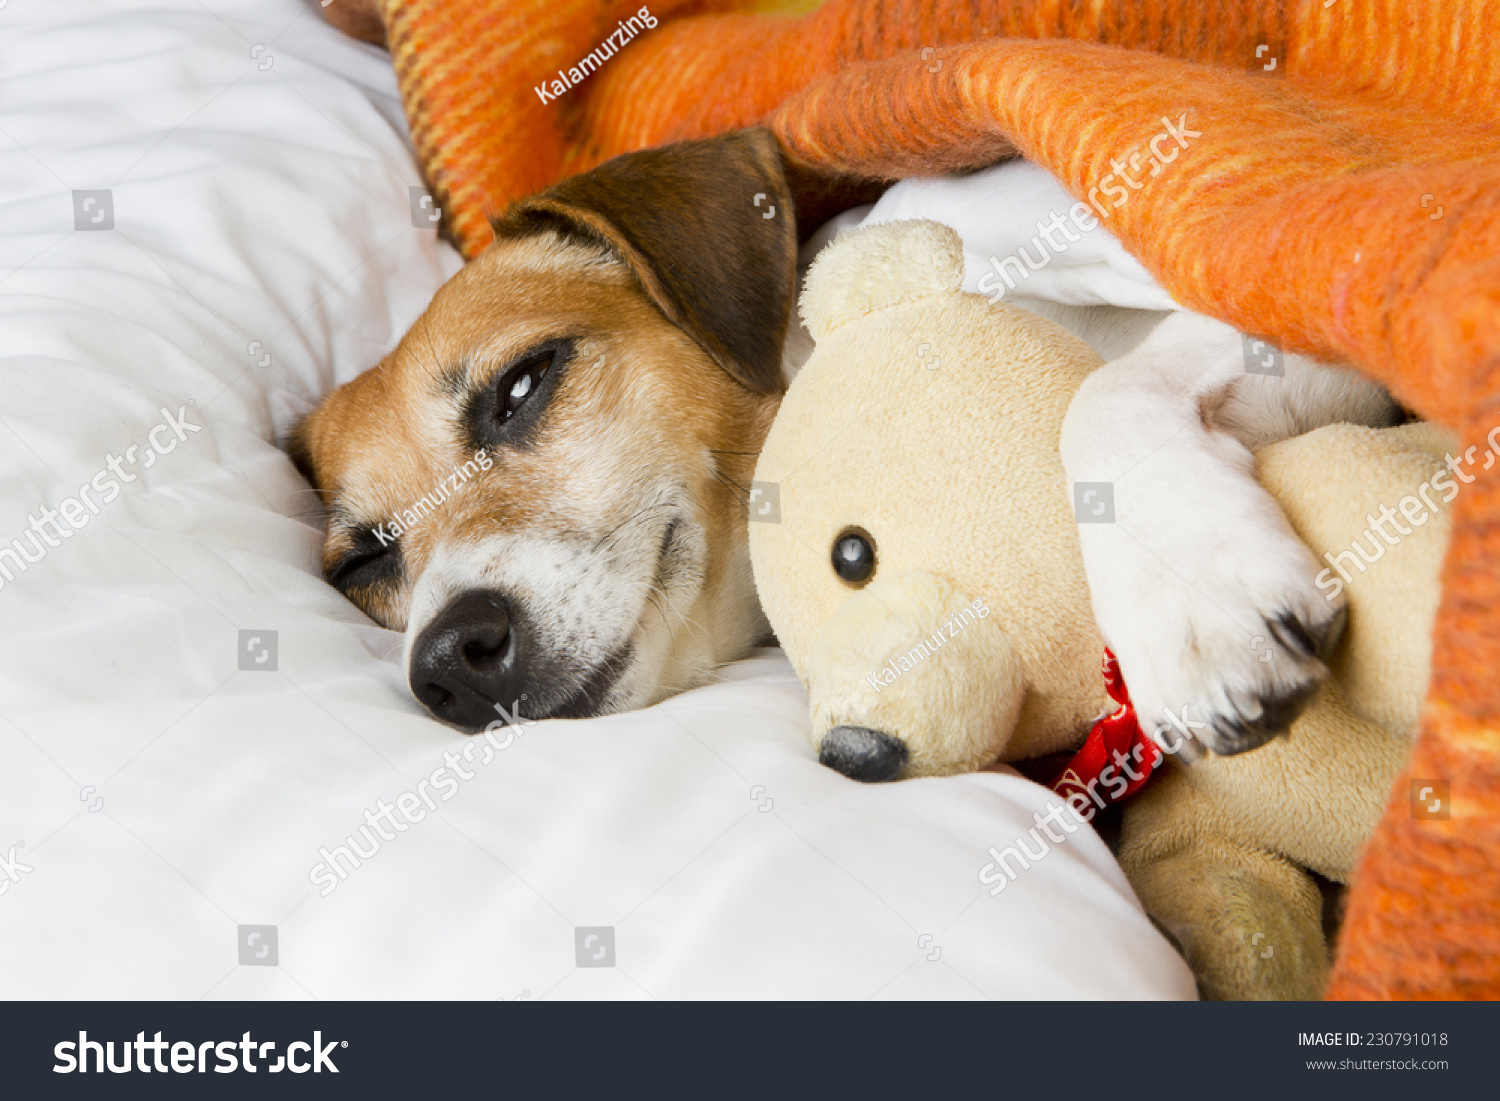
(161, 789)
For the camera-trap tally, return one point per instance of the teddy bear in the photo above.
(925, 580)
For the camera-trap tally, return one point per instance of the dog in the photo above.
(610, 354)
(545, 484)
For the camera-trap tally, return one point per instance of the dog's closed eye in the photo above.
(370, 562)
(504, 412)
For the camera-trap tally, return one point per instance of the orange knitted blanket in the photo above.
(1333, 181)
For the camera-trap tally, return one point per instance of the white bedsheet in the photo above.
(1024, 237)
(156, 798)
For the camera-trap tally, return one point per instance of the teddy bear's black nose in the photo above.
(863, 754)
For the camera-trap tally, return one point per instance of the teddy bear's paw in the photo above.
(1247, 922)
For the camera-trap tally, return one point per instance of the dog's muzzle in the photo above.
(469, 658)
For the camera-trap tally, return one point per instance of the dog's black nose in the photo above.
(469, 659)
(863, 754)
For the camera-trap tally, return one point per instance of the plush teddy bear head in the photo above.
(923, 573)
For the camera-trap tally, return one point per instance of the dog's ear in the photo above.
(709, 230)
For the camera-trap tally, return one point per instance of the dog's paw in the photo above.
(1200, 586)
(1200, 679)
(1211, 604)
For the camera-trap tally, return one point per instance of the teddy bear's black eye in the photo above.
(854, 557)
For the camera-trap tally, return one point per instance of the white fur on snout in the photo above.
(584, 597)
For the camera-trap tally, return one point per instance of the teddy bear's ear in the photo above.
(878, 266)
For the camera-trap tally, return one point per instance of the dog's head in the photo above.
(544, 485)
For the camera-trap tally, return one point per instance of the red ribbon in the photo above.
(1115, 749)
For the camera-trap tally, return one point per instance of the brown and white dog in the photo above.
(614, 360)
(617, 354)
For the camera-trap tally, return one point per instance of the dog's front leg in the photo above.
(1200, 586)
